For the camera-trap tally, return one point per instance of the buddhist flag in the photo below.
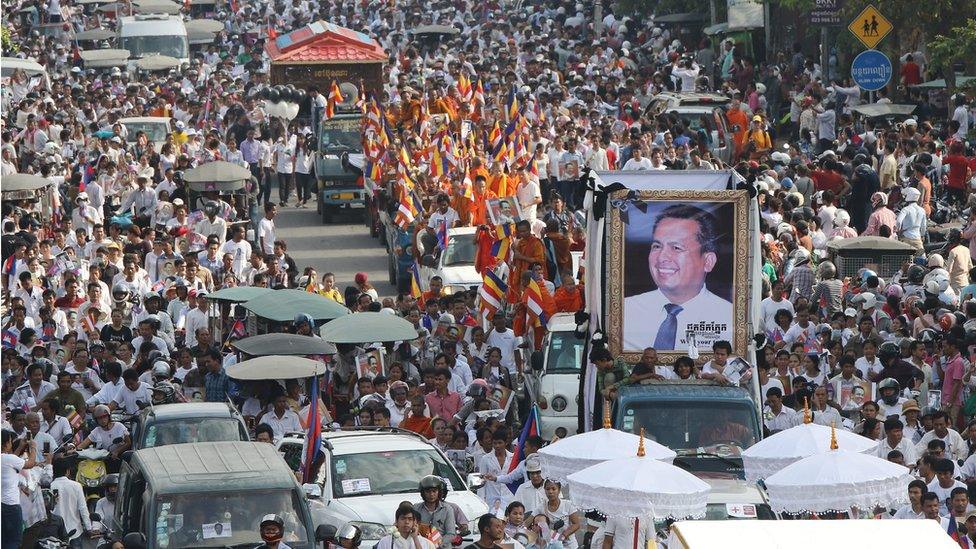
(492, 292)
(415, 281)
(479, 93)
(335, 97)
(407, 212)
(503, 244)
(464, 88)
(361, 100)
(538, 303)
(512, 104)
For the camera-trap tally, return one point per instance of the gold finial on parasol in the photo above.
(807, 418)
(606, 415)
(640, 447)
(833, 436)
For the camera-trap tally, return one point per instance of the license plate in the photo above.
(345, 196)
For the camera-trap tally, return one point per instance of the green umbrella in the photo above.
(284, 344)
(238, 294)
(368, 327)
(276, 367)
(284, 305)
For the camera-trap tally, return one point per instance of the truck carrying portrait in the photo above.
(677, 274)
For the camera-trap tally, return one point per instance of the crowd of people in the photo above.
(106, 271)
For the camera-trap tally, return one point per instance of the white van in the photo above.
(555, 375)
(154, 34)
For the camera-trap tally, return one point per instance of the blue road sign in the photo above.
(871, 70)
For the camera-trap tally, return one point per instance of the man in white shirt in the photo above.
(683, 252)
(777, 417)
(282, 419)
(239, 249)
(71, 505)
(499, 335)
(956, 448)
(197, 317)
(131, 394)
(532, 494)
(961, 115)
(443, 215)
(637, 162)
(107, 435)
(406, 535)
(943, 484)
(894, 440)
(266, 229)
(913, 509)
(774, 303)
(51, 423)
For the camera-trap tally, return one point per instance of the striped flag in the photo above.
(335, 97)
(465, 91)
(536, 304)
(407, 212)
(479, 93)
(9, 339)
(415, 281)
(492, 292)
(512, 105)
(442, 235)
(503, 244)
(313, 436)
(10, 265)
(531, 428)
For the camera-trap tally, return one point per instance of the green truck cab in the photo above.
(209, 494)
(707, 424)
(339, 165)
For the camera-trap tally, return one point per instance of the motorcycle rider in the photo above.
(889, 400)
(106, 435)
(122, 300)
(272, 532)
(52, 526)
(894, 367)
(434, 511)
(70, 504)
(105, 506)
(349, 536)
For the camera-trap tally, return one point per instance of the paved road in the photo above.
(343, 247)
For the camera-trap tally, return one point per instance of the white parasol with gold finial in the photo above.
(572, 454)
(639, 486)
(836, 481)
(788, 446)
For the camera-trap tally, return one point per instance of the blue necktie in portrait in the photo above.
(666, 332)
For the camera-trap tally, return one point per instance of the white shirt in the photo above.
(770, 308)
(71, 505)
(57, 429)
(911, 222)
(526, 195)
(644, 314)
(530, 496)
(396, 542)
(508, 343)
(287, 423)
(904, 446)
(563, 512)
(240, 251)
(907, 513)
(285, 157)
(195, 319)
(785, 419)
(10, 478)
(955, 446)
(449, 217)
(962, 116)
(622, 530)
(634, 165)
(266, 230)
(943, 493)
(104, 439)
(126, 399)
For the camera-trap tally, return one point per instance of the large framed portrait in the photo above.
(504, 210)
(678, 269)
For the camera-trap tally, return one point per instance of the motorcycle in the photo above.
(91, 473)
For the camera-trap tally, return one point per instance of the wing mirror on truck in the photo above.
(134, 540)
(312, 490)
(475, 481)
(536, 360)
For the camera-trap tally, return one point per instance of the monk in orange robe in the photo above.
(569, 296)
(479, 202)
(526, 250)
(461, 204)
(498, 182)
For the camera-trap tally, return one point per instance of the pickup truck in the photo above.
(339, 164)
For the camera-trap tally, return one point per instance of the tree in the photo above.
(946, 50)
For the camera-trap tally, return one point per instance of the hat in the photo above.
(912, 194)
(879, 197)
(361, 278)
(870, 301)
(116, 139)
(81, 196)
(532, 465)
(936, 260)
(911, 122)
(757, 118)
(910, 405)
(850, 311)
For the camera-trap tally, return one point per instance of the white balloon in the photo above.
(292, 111)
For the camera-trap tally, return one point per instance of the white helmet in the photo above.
(842, 219)
(161, 370)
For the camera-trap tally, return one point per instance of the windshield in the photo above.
(460, 250)
(155, 132)
(690, 427)
(396, 472)
(184, 431)
(565, 353)
(215, 519)
(172, 45)
(341, 133)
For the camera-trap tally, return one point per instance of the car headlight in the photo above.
(559, 403)
(371, 530)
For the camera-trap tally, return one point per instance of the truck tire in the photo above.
(392, 269)
(327, 214)
(382, 235)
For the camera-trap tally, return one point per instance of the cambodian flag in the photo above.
(313, 436)
(953, 530)
(10, 266)
(531, 428)
(442, 235)
(9, 339)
